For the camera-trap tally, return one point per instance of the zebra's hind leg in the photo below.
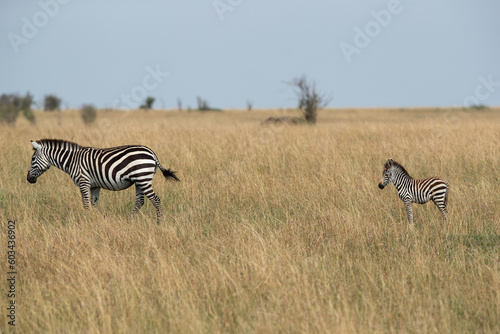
(147, 190)
(94, 198)
(409, 212)
(157, 203)
(139, 200)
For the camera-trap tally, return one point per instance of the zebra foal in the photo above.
(412, 190)
(91, 169)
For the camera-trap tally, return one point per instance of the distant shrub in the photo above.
(283, 120)
(51, 103)
(8, 112)
(88, 113)
(25, 104)
(148, 103)
(12, 104)
(249, 105)
(204, 106)
(30, 116)
(478, 107)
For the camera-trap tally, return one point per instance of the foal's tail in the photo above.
(446, 195)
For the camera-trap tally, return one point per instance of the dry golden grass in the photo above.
(271, 229)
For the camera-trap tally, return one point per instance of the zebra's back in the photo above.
(117, 168)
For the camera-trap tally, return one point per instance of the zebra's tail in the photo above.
(446, 196)
(168, 173)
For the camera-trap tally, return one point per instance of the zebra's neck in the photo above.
(64, 157)
(401, 178)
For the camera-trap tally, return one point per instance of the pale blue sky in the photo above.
(427, 53)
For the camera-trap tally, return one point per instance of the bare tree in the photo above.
(179, 104)
(202, 104)
(249, 105)
(309, 99)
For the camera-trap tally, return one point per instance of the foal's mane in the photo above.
(396, 165)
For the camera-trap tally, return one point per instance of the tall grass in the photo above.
(271, 229)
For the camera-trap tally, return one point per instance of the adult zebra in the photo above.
(91, 169)
(412, 190)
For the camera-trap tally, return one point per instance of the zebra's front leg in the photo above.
(139, 200)
(85, 191)
(409, 212)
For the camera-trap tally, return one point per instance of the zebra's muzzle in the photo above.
(381, 185)
(31, 179)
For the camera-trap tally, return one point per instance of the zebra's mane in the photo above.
(58, 142)
(396, 165)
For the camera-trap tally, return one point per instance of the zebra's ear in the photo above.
(36, 146)
(389, 162)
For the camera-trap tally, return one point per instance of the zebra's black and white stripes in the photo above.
(412, 190)
(91, 169)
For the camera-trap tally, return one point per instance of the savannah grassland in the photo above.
(272, 229)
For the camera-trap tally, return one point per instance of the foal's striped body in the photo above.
(418, 191)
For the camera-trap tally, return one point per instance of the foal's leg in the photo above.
(442, 208)
(409, 212)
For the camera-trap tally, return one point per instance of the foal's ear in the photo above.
(36, 146)
(389, 162)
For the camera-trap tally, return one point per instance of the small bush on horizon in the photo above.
(148, 103)
(204, 106)
(51, 103)
(478, 107)
(12, 104)
(88, 113)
